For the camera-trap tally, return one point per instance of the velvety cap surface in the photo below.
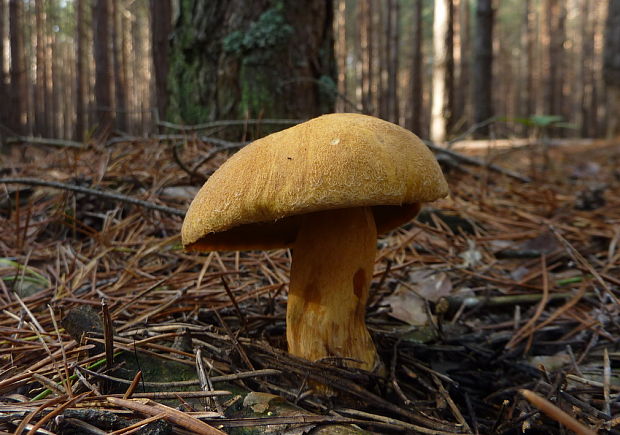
(255, 199)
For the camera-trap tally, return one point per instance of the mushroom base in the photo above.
(333, 260)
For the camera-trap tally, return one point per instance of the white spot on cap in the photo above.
(336, 141)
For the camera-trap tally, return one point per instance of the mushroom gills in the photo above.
(332, 266)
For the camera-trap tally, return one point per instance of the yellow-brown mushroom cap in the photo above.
(255, 199)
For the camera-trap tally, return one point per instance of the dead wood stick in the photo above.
(94, 192)
(556, 413)
(46, 141)
(173, 415)
(476, 162)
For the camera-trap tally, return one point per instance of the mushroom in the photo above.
(324, 188)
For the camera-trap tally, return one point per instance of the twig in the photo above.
(94, 192)
(226, 123)
(556, 413)
(175, 416)
(476, 162)
(46, 141)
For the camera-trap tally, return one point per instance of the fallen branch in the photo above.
(94, 192)
(476, 162)
(46, 141)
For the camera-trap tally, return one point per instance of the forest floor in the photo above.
(501, 295)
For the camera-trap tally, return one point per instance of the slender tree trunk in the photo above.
(392, 76)
(416, 79)
(611, 65)
(483, 64)
(40, 122)
(556, 35)
(3, 76)
(18, 89)
(55, 79)
(340, 30)
(366, 33)
(462, 99)
(161, 22)
(443, 66)
(80, 71)
(101, 50)
(528, 34)
(120, 82)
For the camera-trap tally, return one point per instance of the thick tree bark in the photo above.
(611, 65)
(101, 50)
(161, 26)
(18, 89)
(274, 59)
(443, 67)
(483, 64)
(416, 80)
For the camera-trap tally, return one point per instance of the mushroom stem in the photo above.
(333, 259)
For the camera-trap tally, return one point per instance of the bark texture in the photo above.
(101, 49)
(274, 59)
(18, 89)
(611, 64)
(483, 64)
(161, 23)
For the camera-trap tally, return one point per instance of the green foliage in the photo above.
(256, 44)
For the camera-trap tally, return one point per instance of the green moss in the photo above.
(255, 49)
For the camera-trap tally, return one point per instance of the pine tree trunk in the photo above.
(3, 86)
(274, 59)
(40, 120)
(416, 82)
(18, 89)
(443, 66)
(120, 82)
(103, 86)
(611, 65)
(80, 71)
(527, 107)
(340, 29)
(366, 52)
(393, 43)
(161, 24)
(483, 65)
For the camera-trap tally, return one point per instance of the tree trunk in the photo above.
(101, 50)
(161, 23)
(40, 87)
(80, 71)
(527, 107)
(3, 85)
(18, 89)
(120, 82)
(555, 19)
(416, 82)
(393, 44)
(366, 53)
(340, 29)
(443, 66)
(611, 65)
(274, 59)
(483, 65)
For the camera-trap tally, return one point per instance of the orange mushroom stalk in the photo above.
(324, 188)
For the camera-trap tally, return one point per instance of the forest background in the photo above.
(71, 67)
